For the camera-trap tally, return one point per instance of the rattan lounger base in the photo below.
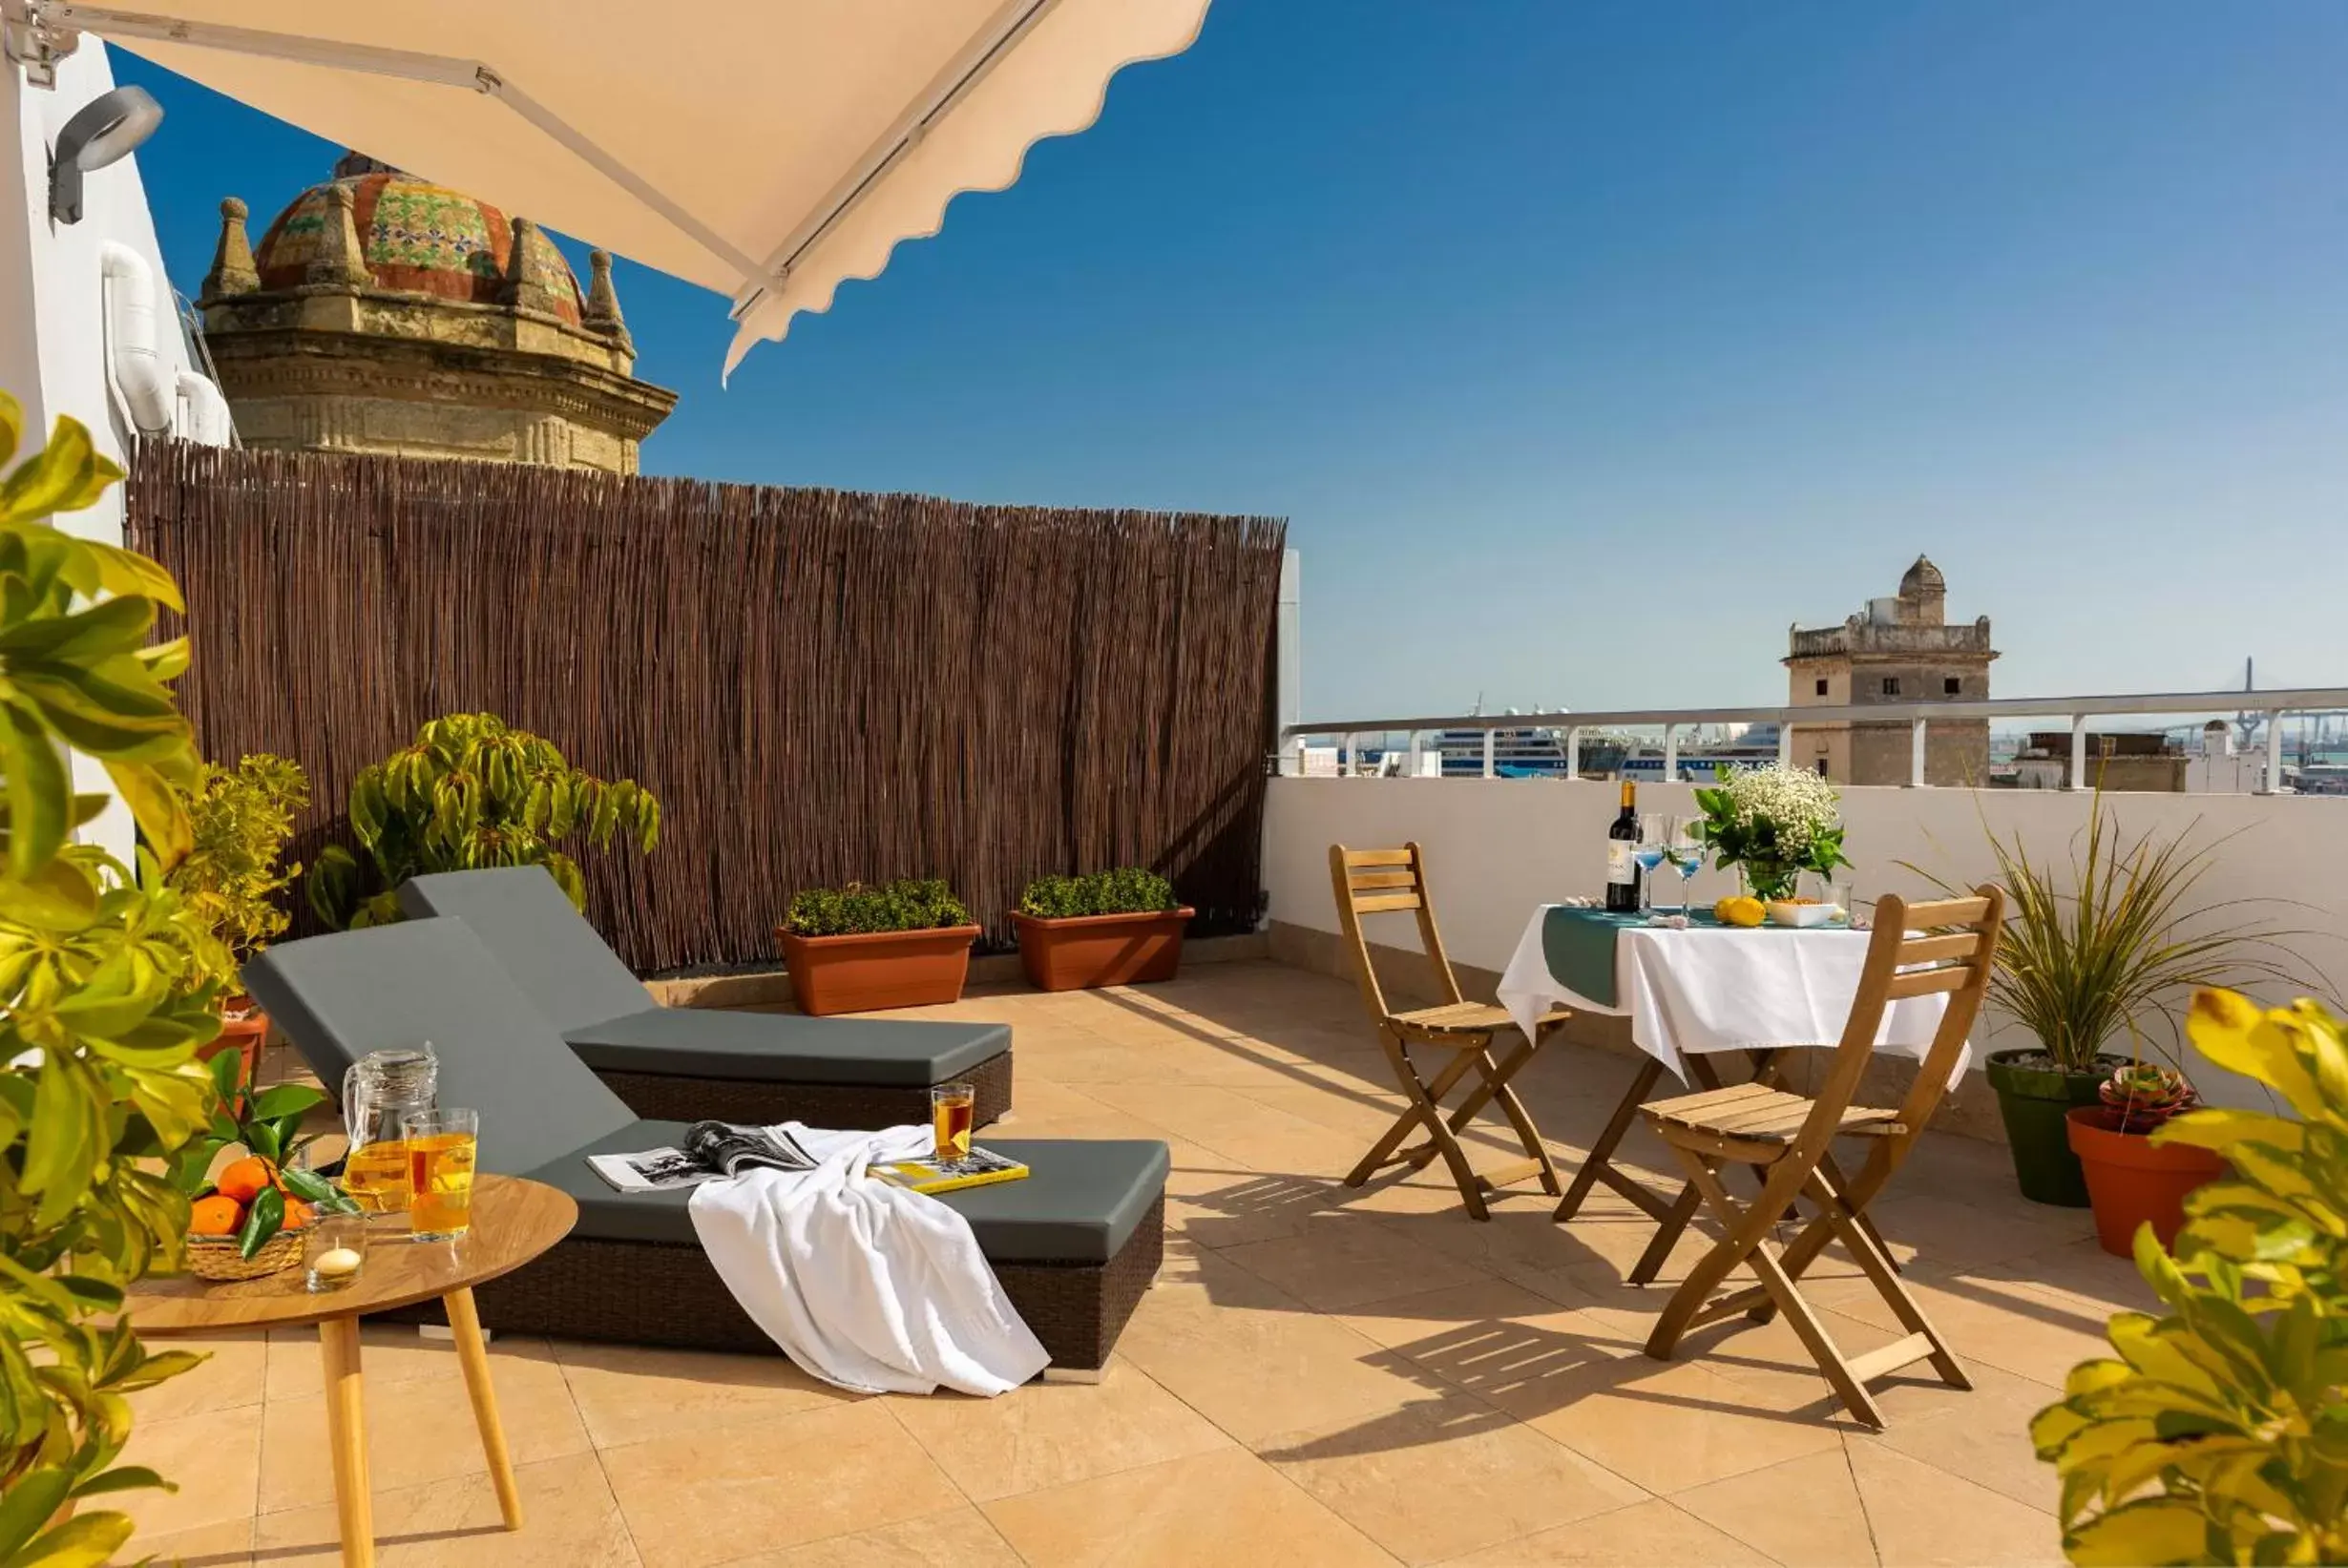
(658, 1293)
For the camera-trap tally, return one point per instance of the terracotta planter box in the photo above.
(1086, 950)
(2131, 1180)
(869, 972)
(244, 1037)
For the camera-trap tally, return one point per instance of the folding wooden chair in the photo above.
(1392, 881)
(1786, 1138)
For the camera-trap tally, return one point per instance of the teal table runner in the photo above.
(1578, 946)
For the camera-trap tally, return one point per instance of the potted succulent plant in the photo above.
(1117, 927)
(862, 948)
(2091, 952)
(240, 820)
(2134, 1179)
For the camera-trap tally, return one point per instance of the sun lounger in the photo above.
(1074, 1243)
(686, 1063)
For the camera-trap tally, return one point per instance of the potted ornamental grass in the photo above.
(1117, 927)
(865, 948)
(234, 877)
(2096, 950)
(1772, 823)
(2132, 1178)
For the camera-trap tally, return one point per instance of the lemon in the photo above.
(1737, 909)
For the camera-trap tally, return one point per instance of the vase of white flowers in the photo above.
(1772, 823)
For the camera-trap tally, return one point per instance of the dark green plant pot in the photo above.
(2034, 1101)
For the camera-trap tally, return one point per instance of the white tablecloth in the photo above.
(1710, 988)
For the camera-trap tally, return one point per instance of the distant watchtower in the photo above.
(1897, 650)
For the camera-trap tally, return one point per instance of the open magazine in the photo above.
(712, 1151)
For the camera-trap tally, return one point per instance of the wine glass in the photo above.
(1686, 853)
(1654, 838)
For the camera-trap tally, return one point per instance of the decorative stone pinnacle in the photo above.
(340, 262)
(232, 259)
(528, 286)
(602, 312)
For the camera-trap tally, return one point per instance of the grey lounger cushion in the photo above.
(1081, 1205)
(338, 997)
(560, 963)
(714, 1043)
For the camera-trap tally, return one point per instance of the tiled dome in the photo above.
(417, 237)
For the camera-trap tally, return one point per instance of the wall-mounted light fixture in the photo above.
(102, 131)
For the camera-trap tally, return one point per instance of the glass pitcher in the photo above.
(378, 1092)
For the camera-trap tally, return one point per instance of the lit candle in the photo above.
(336, 1263)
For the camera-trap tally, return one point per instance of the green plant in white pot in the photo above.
(2099, 951)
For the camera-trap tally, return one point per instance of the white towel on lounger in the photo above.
(862, 1283)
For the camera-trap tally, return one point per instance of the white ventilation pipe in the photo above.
(132, 362)
(204, 416)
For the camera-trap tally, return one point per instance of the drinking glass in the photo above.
(951, 1110)
(1686, 853)
(334, 1251)
(1654, 833)
(441, 1150)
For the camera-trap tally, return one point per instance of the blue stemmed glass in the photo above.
(1687, 856)
(1654, 836)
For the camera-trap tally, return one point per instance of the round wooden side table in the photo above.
(514, 1220)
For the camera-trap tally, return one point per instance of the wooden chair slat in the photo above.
(1947, 911)
(1933, 949)
(1682, 1107)
(1381, 902)
(1377, 857)
(1928, 982)
(1361, 881)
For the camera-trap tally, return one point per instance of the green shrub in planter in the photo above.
(911, 904)
(1128, 890)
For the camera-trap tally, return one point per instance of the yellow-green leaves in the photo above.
(471, 792)
(2221, 1435)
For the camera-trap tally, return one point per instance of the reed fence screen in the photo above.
(820, 686)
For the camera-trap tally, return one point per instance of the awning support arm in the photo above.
(62, 17)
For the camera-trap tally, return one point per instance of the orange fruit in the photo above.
(243, 1180)
(216, 1214)
(297, 1214)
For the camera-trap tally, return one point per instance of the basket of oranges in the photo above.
(246, 1219)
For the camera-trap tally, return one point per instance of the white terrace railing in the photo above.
(2272, 706)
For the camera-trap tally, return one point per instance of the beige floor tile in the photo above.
(1337, 1261)
(1049, 1435)
(1644, 1533)
(2082, 1269)
(391, 1352)
(961, 1538)
(420, 1431)
(1804, 1510)
(234, 1373)
(227, 1545)
(1981, 1434)
(1923, 1516)
(1445, 1477)
(1226, 1510)
(1671, 1425)
(214, 1460)
(1223, 1205)
(1232, 1125)
(1948, 1232)
(1503, 1343)
(626, 1394)
(698, 1498)
(2000, 1321)
(569, 1518)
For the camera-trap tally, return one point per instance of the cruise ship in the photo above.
(1537, 751)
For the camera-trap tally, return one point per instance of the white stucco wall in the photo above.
(51, 303)
(1495, 848)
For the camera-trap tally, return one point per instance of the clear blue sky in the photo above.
(1588, 345)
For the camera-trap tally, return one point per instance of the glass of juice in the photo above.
(951, 1110)
(441, 1145)
(376, 1175)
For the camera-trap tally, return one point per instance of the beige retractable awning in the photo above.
(767, 149)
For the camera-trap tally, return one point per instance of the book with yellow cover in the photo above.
(979, 1168)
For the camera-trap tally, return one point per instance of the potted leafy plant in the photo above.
(470, 792)
(240, 820)
(1117, 927)
(863, 948)
(2092, 952)
(2133, 1179)
(2212, 1434)
(1772, 823)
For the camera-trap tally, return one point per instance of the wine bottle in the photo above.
(1621, 862)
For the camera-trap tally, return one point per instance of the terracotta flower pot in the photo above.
(1079, 952)
(243, 1035)
(870, 972)
(2131, 1179)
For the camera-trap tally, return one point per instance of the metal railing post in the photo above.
(1671, 753)
(1352, 755)
(2273, 783)
(1784, 745)
(1573, 752)
(1414, 752)
(1915, 755)
(1491, 740)
(2079, 751)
